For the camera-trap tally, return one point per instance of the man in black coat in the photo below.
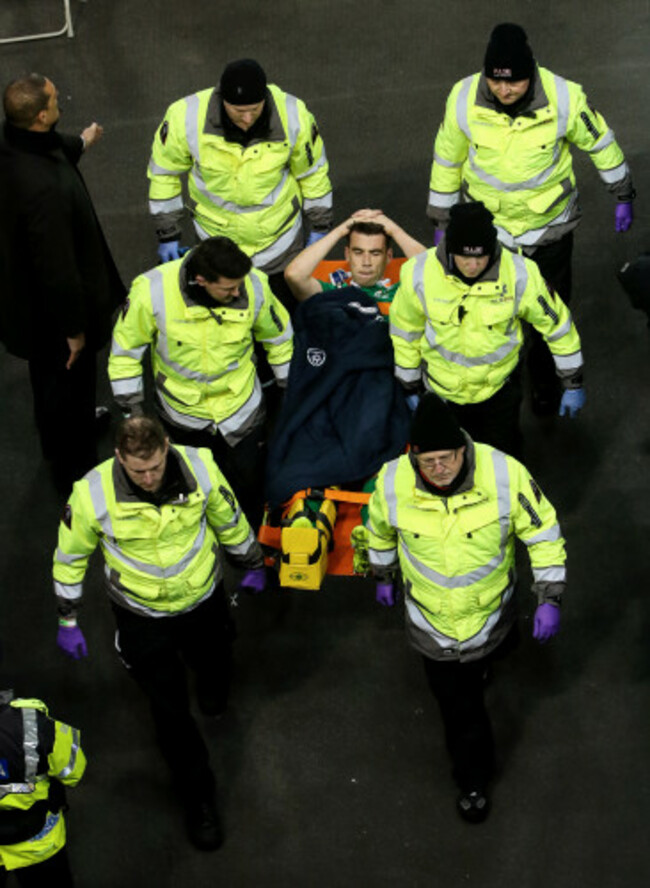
(60, 285)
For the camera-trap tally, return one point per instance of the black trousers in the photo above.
(55, 871)
(554, 261)
(459, 689)
(155, 650)
(243, 465)
(64, 409)
(496, 420)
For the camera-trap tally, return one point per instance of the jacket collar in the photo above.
(490, 274)
(31, 141)
(214, 126)
(468, 483)
(125, 492)
(538, 99)
(193, 295)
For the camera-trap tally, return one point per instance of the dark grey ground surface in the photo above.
(330, 761)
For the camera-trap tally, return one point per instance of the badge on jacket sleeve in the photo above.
(164, 131)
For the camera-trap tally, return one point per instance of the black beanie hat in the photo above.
(243, 83)
(508, 55)
(470, 231)
(434, 426)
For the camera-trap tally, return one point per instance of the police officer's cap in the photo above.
(471, 231)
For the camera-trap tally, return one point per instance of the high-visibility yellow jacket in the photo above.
(255, 195)
(463, 341)
(202, 358)
(456, 554)
(521, 168)
(158, 559)
(35, 751)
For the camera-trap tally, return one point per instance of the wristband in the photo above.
(68, 622)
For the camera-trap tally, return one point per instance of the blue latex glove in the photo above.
(438, 235)
(385, 594)
(72, 642)
(254, 581)
(412, 402)
(624, 216)
(547, 622)
(573, 400)
(170, 250)
(315, 236)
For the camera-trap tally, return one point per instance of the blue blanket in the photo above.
(344, 413)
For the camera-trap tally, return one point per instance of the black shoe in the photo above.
(473, 806)
(203, 825)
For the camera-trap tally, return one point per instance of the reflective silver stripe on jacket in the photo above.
(70, 592)
(30, 744)
(604, 142)
(156, 170)
(465, 361)
(285, 336)
(184, 420)
(72, 761)
(418, 280)
(521, 282)
(459, 581)
(135, 353)
(67, 558)
(312, 203)
(200, 470)
(170, 205)
(407, 374)
(312, 169)
(446, 163)
(258, 294)
(561, 331)
(98, 500)
(408, 336)
(502, 478)
(134, 385)
(192, 125)
(382, 557)
(21, 788)
(230, 524)
(281, 371)
(268, 201)
(527, 184)
(232, 427)
(443, 199)
(153, 570)
(445, 642)
(293, 118)
(240, 549)
(390, 494)
(563, 105)
(280, 246)
(568, 362)
(617, 174)
(462, 106)
(533, 235)
(555, 574)
(552, 535)
(159, 308)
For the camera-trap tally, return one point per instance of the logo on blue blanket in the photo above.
(316, 357)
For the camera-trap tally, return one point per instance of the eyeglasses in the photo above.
(445, 460)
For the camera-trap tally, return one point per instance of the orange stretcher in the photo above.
(313, 536)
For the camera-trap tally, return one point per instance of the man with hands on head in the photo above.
(368, 236)
(160, 514)
(445, 517)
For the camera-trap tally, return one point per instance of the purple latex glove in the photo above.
(385, 594)
(547, 622)
(573, 400)
(254, 581)
(438, 235)
(624, 216)
(72, 642)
